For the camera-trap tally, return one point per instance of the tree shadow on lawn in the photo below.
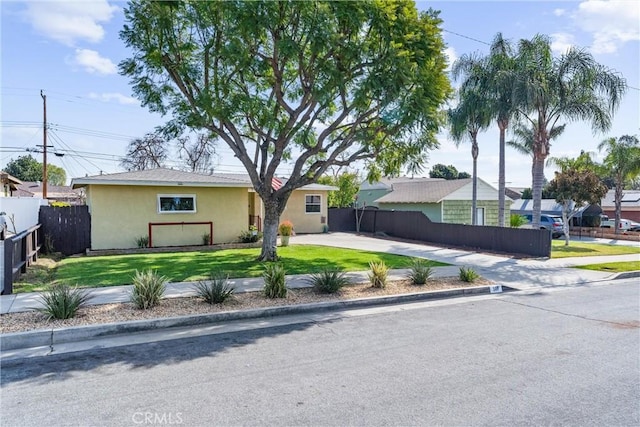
(113, 271)
(62, 367)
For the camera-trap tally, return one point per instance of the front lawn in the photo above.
(193, 266)
(581, 249)
(614, 267)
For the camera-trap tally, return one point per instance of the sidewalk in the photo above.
(530, 275)
(515, 273)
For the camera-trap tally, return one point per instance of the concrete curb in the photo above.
(626, 275)
(42, 338)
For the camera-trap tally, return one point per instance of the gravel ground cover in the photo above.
(170, 307)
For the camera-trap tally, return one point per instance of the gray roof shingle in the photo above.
(422, 191)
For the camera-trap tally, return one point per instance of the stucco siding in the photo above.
(369, 197)
(120, 214)
(431, 210)
(304, 222)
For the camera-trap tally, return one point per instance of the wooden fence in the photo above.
(20, 251)
(416, 226)
(67, 229)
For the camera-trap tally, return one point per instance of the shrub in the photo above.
(420, 271)
(285, 228)
(148, 288)
(378, 274)
(250, 236)
(516, 220)
(215, 291)
(206, 238)
(328, 281)
(63, 302)
(274, 281)
(142, 241)
(468, 274)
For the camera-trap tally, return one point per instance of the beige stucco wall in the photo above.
(120, 214)
(305, 222)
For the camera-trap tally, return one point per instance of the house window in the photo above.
(312, 203)
(176, 203)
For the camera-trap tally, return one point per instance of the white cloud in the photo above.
(70, 21)
(559, 12)
(611, 23)
(92, 62)
(561, 42)
(451, 55)
(118, 97)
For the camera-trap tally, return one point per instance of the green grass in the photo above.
(613, 267)
(580, 249)
(194, 266)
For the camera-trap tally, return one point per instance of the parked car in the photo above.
(549, 222)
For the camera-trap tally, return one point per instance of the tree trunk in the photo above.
(474, 187)
(272, 210)
(618, 204)
(536, 190)
(501, 173)
(565, 220)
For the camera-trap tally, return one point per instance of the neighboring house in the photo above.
(55, 193)
(630, 206)
(514, 193)
(176, 208)
(370, 192)
(551, 207)
(448, 201)
(9, 185)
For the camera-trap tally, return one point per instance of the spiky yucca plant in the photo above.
(274, 281)
(63, 302)
(148, 288)
(378, 274)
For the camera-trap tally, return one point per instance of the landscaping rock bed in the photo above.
(170, 307)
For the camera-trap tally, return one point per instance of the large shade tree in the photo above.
(622, 162)
(27, 168)
(466, 120)
(551, 89)
(312, 83)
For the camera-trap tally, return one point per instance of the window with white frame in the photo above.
(312, 203)
(176, 203)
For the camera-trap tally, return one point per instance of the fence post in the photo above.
(7, 288)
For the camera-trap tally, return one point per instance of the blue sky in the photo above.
(70, 50)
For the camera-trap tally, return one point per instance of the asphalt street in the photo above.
(547, 356)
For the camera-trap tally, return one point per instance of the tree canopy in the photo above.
(308, 84)
(447, 172)
(26, 168)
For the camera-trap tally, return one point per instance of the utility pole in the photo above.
(44, 147)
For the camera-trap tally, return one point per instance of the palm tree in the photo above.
(572, 87)
(523, 137)
(623, 162)
(465, 121)
(493, 77)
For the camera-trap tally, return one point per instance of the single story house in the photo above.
(630, 205)
(370, 192)
(177, 208)
(9, 184)
(55, 193)
(552, 207)
(448, 201)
